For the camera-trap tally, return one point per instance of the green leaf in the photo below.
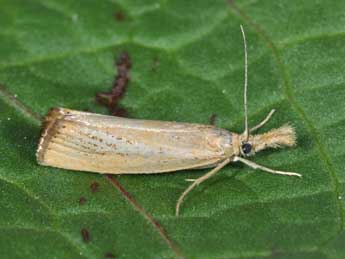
(187, 64)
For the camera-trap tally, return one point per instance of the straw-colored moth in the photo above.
(106, 144)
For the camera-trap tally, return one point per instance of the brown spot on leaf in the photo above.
(112, 98)
(213, 118)
(94, 187)
(120, 112)
(119, 16)
(109, 255)
(82, 200)
(85, 235)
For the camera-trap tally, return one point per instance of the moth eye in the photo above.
(246, 148)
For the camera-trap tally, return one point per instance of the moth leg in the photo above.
(198, 181)
(263, 168)
(262, 123)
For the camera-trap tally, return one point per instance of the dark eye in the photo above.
(246, 148)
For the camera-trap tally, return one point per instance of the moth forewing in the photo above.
(107, 144)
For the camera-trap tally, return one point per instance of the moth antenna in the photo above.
(246, 130)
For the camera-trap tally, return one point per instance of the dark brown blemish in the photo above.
(212, 119)
(109, 255)
(112, 98)
(94, 187)
(85, 235)
(120, 112)
(119, 16)
(82, 200)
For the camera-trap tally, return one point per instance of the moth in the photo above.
(103, 144)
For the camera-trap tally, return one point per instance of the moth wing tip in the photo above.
(48, 130)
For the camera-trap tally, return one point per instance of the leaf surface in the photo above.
(187, 64)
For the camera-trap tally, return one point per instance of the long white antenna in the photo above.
(246, 130)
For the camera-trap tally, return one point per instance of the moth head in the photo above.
(277, 138)
(247, 144)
